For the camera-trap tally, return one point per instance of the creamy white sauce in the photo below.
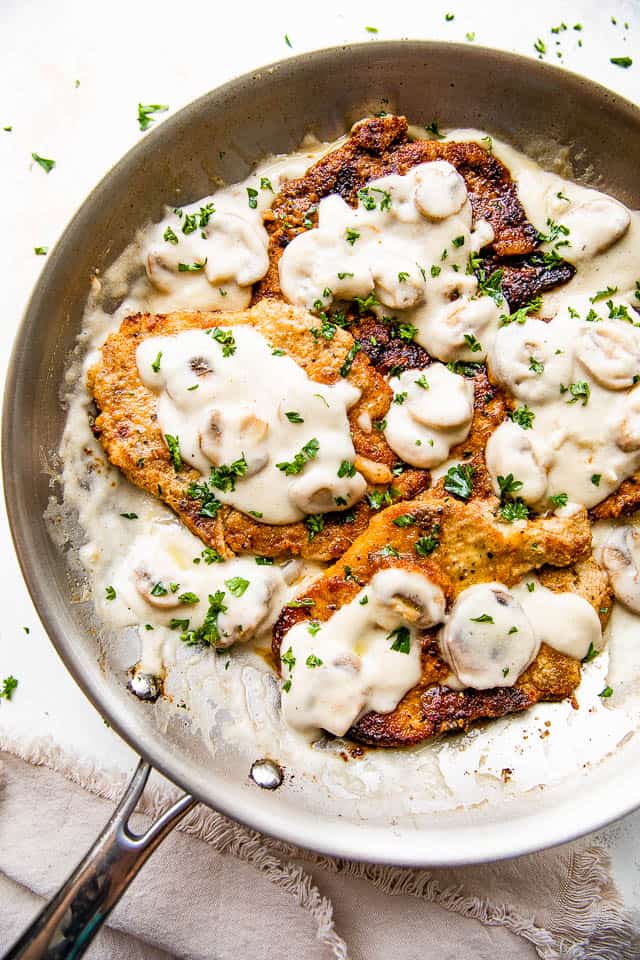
(166, 580)
(493, 633)
(408, 242)
(430, 413)
(259, 408)
(233, 700)
(207, 255)
(576, 377)
(365, 657)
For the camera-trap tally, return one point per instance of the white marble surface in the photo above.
(162, 52)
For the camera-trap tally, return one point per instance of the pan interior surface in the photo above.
(539, 109)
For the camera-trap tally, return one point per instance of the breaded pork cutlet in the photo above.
(467, 547)
(380, 146)
(131, 436)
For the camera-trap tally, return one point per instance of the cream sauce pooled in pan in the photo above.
(407, 249)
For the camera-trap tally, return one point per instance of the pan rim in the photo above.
(343, 840)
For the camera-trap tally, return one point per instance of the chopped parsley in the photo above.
(435, 270)
(308, 452)
(304, 602)
(434, 129)
(559, 499)
(189, 598)
(403, 276)
(483, 618)
(401, 638)
(173, 445)
(531, 587)
(346, 469)
(540, 47)
(155, 366)
(237, 586)
(620, 62)
(313, 661)
(226, 340)
(265, 184)
(399, 398)
(209, 555)
(293, 416)
(596, 478)
(348, 360)
(208, 633)
(389, 551)
(519, 316)
(459, 480)
(314, 524)
(110, 593)
(47, 165)
(512, 507)
(381, 498)
(406, 331)
(473, 344)
(129, 516)
(591, 654)
(464, 368)
(606, 693)
(514, 510)
(41, 251)
(491, 286)
(579, 391)
(351, 235)
(145, 111)
(603, 294)
(458, 241)
(535, 366)
(523, 416)
(287, 41)
(422, 382)
(264, 561)
(252, 197)
(192, 267)
(404, 521)
(427, 544)
(313, 627)
(9, 684)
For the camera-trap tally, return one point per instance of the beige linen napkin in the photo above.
(217, 891)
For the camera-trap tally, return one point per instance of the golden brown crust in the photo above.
(472, 548)
(379, 146)
(129, 432)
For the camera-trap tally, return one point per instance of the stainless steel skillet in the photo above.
(222, 135)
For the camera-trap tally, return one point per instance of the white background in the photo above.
(169, 53)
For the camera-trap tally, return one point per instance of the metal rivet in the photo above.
(145, 686)
(267, 774)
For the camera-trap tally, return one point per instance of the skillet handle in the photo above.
(69, 922)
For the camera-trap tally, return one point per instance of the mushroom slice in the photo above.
(440, 190)
(319, 490)
(610, 351)
(512, 450)
(594, 225)
(228, 435)
(532, 360)
(406, 596)
(627, 428)
(488, 640)
(156, 591)
(621, 558)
